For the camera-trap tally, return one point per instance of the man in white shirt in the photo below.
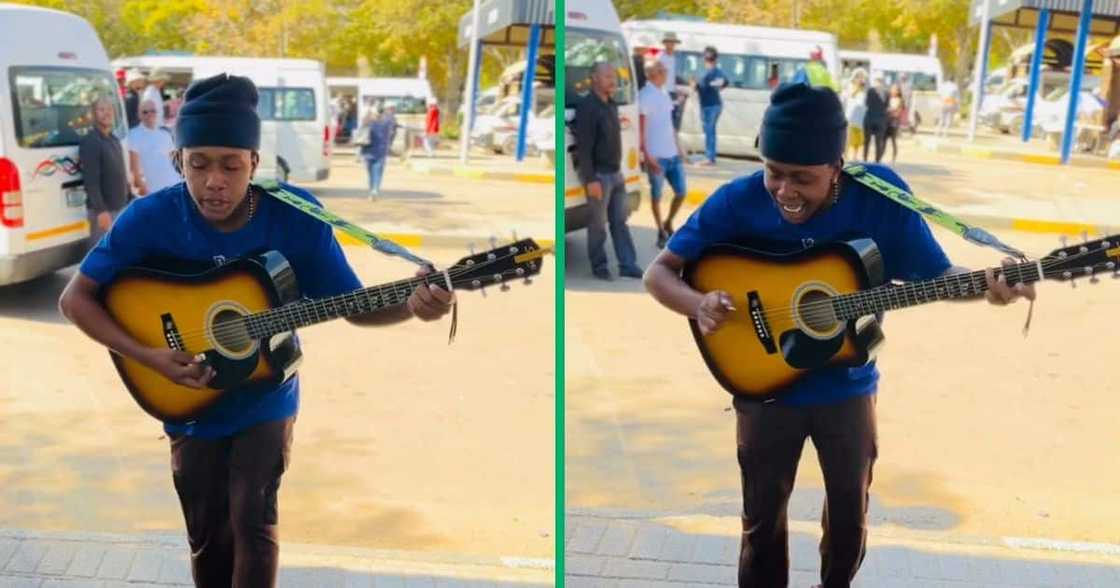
(668, 58)
(150, 148)
(950, 104)
(154, 92)
(660, 148)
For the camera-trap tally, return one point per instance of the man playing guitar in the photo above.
(801, 198)
(227, 464)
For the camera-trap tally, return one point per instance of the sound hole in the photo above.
(231, 332)
(815, 308)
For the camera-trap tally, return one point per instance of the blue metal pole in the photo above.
(1075, 79)
(527, 88)
(1036, 73)
(474, 89)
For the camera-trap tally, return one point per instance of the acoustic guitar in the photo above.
(242, 316)
(802, 311)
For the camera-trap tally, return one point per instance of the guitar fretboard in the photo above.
(305, 313)
(895, 296)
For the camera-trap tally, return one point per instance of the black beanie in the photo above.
(219, 111)
(803, 125)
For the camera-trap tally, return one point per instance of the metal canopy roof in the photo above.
(507, 22)
(1023, 14)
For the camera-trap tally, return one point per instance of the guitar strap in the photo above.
(381, 244)
(972, 234)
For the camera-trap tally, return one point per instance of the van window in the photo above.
(404, 104)
(286, 104)
(52, 104)
(584, 49)
(747, 72)
(920, 82)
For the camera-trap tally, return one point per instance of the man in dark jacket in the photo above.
(103, 169)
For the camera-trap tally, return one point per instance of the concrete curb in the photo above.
(980, 152)
(480, 173)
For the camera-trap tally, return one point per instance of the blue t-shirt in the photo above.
(167, 224)
(709, 86)
(743, 211)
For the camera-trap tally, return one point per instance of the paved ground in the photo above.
(403, 444)
(995, 450)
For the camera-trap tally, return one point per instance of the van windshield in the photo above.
(404, 104)
(287, 104)
(52, 105)
(584, 49)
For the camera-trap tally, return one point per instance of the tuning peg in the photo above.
(1063, 240)
(470, 247)
(482, 290)
(504, 287)
(1093, 279)
(514, 233)
(493, 243)
(1085, 236)
(529, 281)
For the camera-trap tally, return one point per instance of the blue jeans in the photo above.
(610, 209)
(709, 116)
(376, 172)
(672, 169)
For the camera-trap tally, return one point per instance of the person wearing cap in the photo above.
(801, 198)
(226, 465)
(154, 92)
(708, 88)
(678, 93)
(135, 81)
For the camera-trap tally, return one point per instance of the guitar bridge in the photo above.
(171, 333)
(758, 319)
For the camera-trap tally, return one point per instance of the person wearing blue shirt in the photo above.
(226, 465)
(708, 88)
(799, 199)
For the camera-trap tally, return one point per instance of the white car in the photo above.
(497, 129)
(1050, 117)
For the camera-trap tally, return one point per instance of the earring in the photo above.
(835, 190)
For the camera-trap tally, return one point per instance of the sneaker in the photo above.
(603, 274)
(630, 272)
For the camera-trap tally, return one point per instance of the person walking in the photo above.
(896, 118)
(135, 81)
(950, 104)
(855, 110)
(660, 147)
(875, 118)
(431, 127)
(598, 158)
(711, 104)
(104, 174)
(377, 136)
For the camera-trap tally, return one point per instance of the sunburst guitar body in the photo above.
(783, 325)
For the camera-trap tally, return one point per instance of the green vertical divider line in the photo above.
(560, 15)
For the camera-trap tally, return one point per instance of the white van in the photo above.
(924, 72)
(295, 131)
(409, 96)
(52, 68)
(595, 34)
(749, 56)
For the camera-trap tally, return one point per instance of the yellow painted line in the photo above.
(56, 231)
(1114, 165)
(1046, 159)
(535, 178)
(1041, 226)
(976, 151)
(468, 172)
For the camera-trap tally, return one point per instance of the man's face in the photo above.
(148, 114)
(104, 114)
(670, 47)
(218, 178)
(657, 74)
(799, 191)
(604, 80)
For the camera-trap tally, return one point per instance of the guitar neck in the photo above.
(310, 312)
(955, 286)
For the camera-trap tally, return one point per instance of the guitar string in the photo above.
(822, 310)
(297, 311)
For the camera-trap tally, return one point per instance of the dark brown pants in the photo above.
(227, 488)
(770, 438)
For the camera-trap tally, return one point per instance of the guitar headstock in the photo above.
(518, 260)
(1084, 260)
